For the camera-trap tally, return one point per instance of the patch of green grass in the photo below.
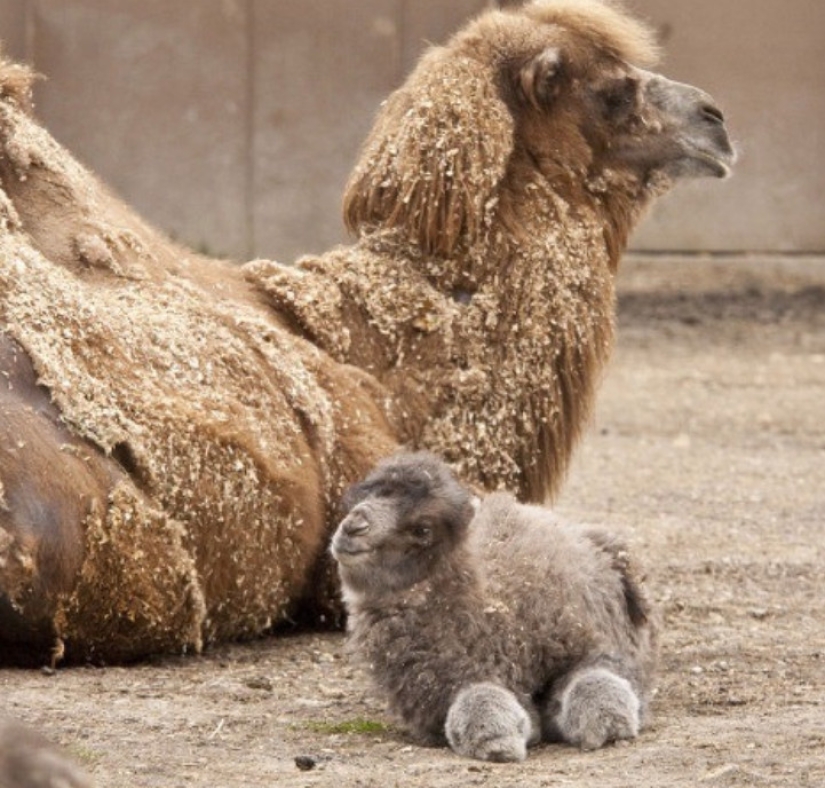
(358, 726)
(83, 754)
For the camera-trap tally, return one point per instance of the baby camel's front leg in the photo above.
(595, 706)
(487, 722)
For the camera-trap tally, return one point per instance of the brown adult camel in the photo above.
(177, 431)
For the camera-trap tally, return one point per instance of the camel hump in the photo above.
(636, 599)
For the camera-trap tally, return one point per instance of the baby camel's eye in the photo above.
(421, 531)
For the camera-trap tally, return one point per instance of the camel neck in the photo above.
(453, 580)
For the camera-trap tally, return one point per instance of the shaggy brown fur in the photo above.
(492, 199)
(209, 415)
(172, 451)
(442, 598)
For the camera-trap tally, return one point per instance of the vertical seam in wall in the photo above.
(29, 33)
(402, 43)
(249, 133)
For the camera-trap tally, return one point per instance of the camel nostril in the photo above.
(711, 113)
(355, 527)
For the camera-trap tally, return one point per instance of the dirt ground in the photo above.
(708, 448)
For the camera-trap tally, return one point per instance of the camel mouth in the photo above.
(716, 157)
(719, 164)
(706, 161)
(347, 551)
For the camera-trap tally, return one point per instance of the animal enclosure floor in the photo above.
(707, 448)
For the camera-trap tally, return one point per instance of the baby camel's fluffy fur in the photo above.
(27, 760)
(503, 623)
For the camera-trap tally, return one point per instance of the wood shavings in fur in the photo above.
(226, 446)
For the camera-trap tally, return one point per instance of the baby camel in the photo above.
(493, 626)
(28, 760)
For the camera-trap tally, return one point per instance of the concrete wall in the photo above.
(764, 61)
(232, 124)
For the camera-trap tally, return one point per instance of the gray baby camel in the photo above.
(492, 626)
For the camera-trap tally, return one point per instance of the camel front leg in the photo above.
(486, 722)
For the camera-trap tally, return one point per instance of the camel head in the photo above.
(584, 104)
(555, 91)
(401, 521)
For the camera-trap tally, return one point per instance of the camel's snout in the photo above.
(697, 125)
(712, 113)
(717, 133)
(355, 524)
(350, 538)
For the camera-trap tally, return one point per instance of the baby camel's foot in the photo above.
(598, 707)
(486, 722)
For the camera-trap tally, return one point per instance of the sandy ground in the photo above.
(708, 448)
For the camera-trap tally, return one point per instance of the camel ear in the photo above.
(539, 78)
(436, 154)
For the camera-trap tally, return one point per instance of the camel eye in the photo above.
(619, 97)
(422, 531)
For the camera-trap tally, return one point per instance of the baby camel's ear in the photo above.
(463, 512)
(436, 154)
(471, 507)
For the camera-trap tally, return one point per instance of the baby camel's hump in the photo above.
(569, 582)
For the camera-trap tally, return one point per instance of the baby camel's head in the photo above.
(409, 513)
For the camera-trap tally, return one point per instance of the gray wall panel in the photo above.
(233, 123)
(152, 95)
(321, 71)
(13, 28)
(764, 62)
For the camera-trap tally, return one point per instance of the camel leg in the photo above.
(486, 721)
(592, 707)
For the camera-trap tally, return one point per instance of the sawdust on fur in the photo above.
(217, 413)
